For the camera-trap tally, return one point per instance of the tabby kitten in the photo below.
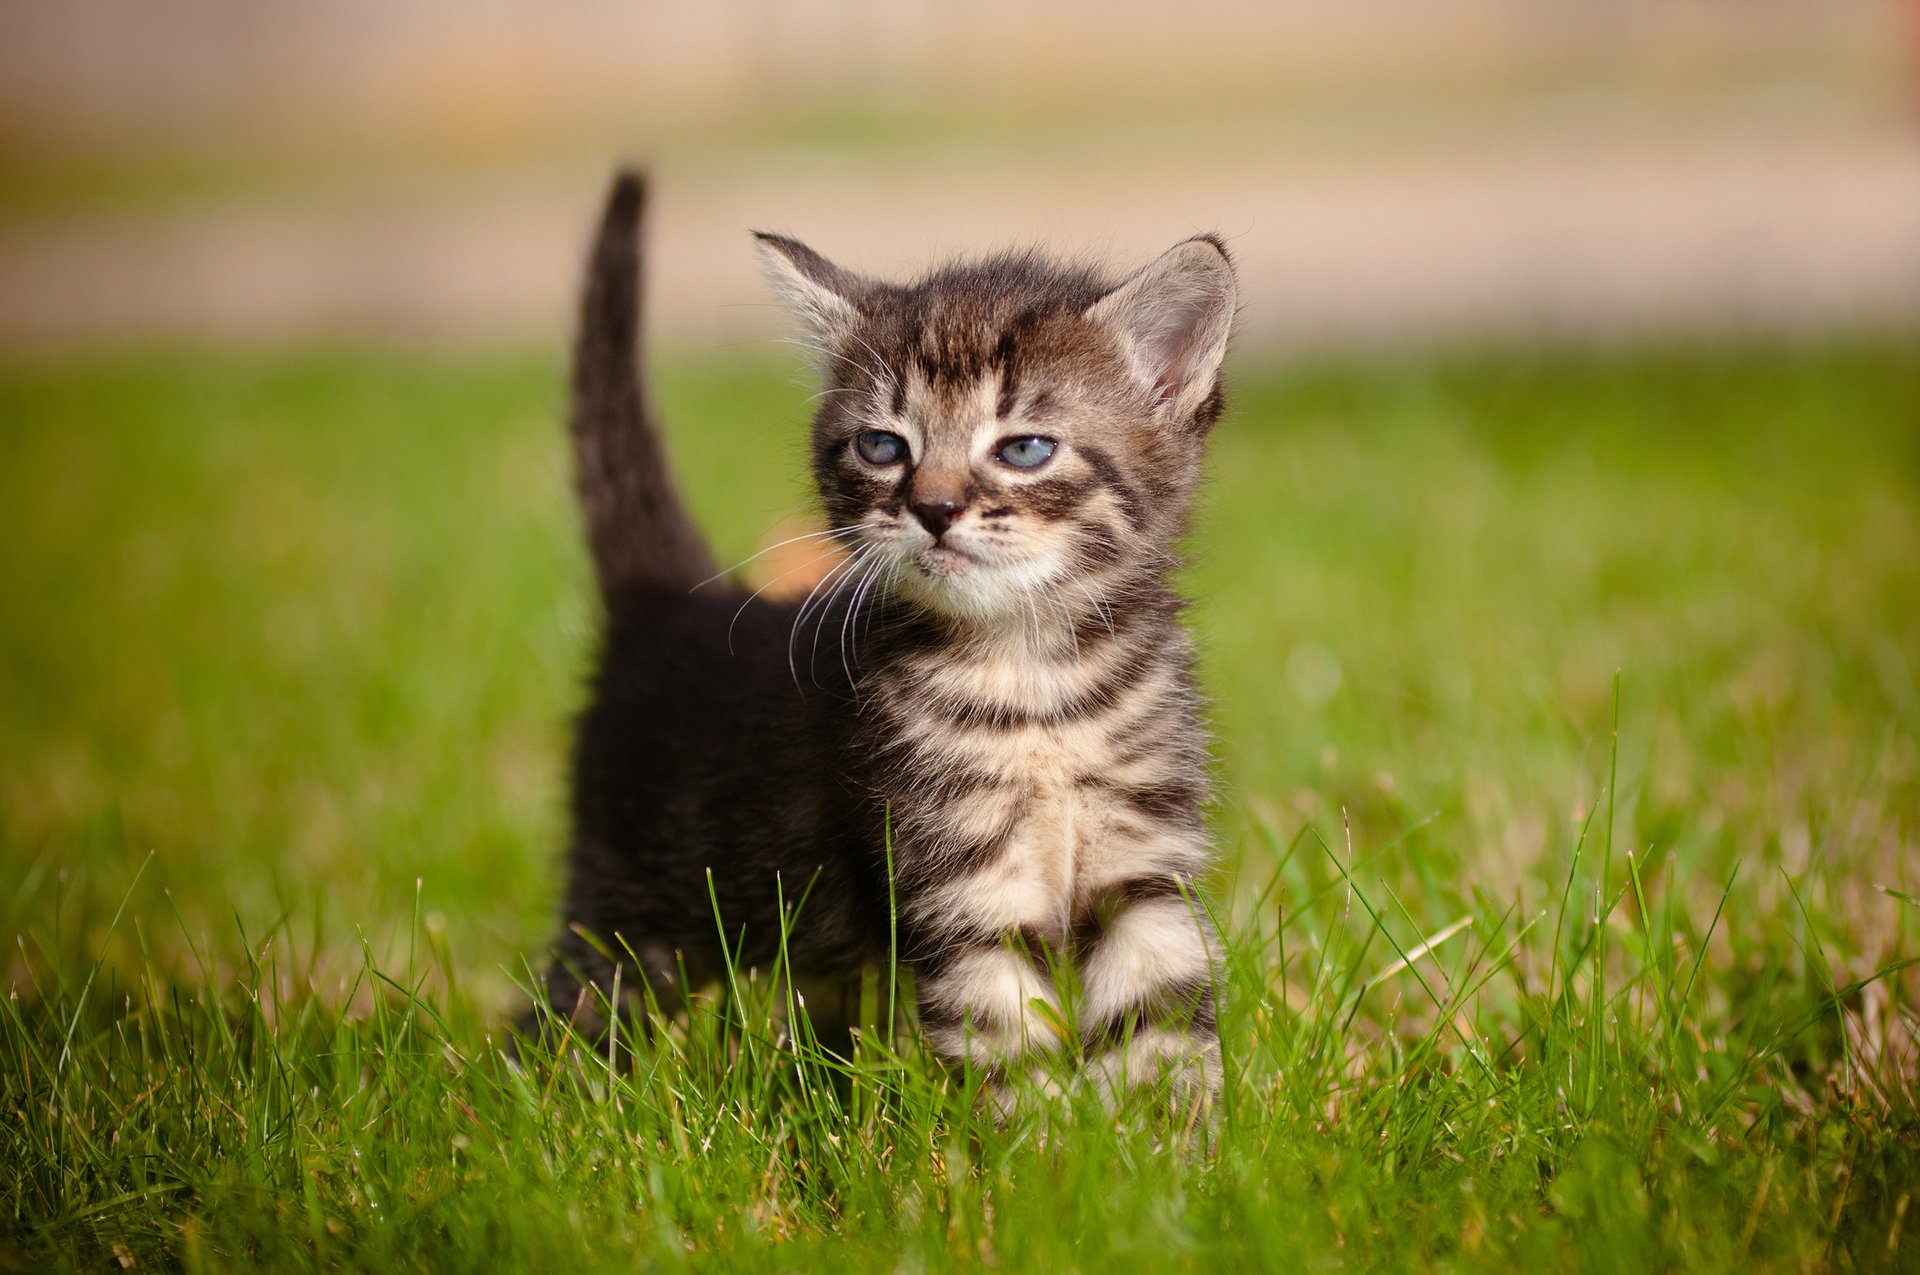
(990, 697)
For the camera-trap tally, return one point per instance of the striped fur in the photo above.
(995, 683)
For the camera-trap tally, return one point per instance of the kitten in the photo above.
(991, 697)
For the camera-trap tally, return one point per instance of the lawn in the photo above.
(1569, 741)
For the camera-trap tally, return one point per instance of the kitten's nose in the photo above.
(937, 512)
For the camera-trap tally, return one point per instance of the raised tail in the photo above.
(637, 528)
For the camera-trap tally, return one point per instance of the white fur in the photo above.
(1156, 1053)
(1026, 886)
(995, 988)
(1149, 945)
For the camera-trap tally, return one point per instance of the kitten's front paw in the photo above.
(1181, 1065)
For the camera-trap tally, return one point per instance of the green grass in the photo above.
(287, 647)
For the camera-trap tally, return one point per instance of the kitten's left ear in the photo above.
(1173, 318)
(825, 297)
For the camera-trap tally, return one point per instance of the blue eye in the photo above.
(877, 447)
(1026, 453)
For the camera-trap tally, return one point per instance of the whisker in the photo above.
(825, 533)
(750, 598)
(815, 599)
(1067, 619)
(819, 394)
(806, 604)
(851, 579)
(839, 576)
(1099, 608)
(853, 610)
(887, 587)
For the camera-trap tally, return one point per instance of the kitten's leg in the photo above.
(830, 1004)
(1147, 1011)
(584, 988)
(990, 1003)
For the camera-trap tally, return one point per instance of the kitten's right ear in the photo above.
(823, 296)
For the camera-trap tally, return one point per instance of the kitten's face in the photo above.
(1009, 439)
(980, 483)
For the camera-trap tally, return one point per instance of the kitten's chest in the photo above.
(1059, 838)
(1017, 787)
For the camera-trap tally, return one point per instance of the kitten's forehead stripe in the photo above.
(1006, 360)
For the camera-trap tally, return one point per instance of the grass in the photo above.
(1570, 744)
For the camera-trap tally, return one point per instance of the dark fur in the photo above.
(697, 750)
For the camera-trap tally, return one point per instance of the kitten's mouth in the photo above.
(942, 562)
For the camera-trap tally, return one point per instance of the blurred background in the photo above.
(1407, 170)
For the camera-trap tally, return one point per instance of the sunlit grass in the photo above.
(1570, 748)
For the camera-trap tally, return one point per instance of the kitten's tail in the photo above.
(638, 530)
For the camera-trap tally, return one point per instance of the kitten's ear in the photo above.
(823, 296)
(1173, 318)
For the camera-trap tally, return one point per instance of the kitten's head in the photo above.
(1012, 427)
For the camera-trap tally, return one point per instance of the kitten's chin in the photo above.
(941, 581)
(940, 563)
(954, 583)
